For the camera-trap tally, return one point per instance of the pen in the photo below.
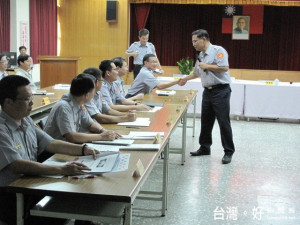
(133, 127)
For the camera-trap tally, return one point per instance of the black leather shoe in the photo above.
(226, 159)
(200, 152)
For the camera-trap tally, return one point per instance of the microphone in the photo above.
(199, 60)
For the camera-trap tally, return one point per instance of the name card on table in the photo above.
(139, 169)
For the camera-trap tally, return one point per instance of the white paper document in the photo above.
(104, 163)
(104, 148)
(167, 93)
(62, 86)
(136, 135)
(140, 122)
(115, 142)
(154, 109)
(141, 147)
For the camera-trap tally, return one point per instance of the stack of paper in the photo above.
(62, 86)
(167, 93)
(115, 142)
(140, 122)
(142, 135)
(154, 109)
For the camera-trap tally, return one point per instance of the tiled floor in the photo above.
(260, 186)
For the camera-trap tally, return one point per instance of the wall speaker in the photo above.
(111, 10)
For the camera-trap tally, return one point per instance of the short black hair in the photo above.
(9, 87)
(143, 32)
(21, 47)
(82, 84)
(94, 72)
(118, 61)
(201, 34)
(104, 66)
(147, 56)
(22, 58)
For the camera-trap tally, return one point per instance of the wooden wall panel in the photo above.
(85, 32)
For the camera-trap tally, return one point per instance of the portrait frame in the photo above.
(240, 27)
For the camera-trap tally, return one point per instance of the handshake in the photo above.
(182, 82)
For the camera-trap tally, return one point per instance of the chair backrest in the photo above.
(42, 122)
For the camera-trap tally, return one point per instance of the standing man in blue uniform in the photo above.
(213, 68)
(139, 49)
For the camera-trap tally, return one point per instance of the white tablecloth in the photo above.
(272, 101)
(236, 101)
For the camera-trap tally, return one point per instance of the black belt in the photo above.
(138, 64)
(216, 86)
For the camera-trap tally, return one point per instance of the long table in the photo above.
(119, 187)
(254, 98)
(272, 101)
(236, 101)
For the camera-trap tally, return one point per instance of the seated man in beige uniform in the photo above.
(69, 120)
(20, 144)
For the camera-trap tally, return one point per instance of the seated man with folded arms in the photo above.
(122, 66)
(68, 119)
(98, 106)
(112, 94)
(24, 68)
(20, 144)
(145, 81)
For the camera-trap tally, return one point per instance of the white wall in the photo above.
(19, 13)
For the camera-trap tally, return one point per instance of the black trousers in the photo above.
(216, 104)
(136, 70)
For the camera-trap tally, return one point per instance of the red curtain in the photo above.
(142, 13)
(43, 28)
(5, 25)
(277, 48)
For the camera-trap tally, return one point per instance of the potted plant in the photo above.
(185, 65)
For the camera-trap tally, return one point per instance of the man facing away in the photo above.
(69, 120)
(21, 142)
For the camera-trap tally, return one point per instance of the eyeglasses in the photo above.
(28, 99)
(3, 61)
(195, 41)
(153, 61)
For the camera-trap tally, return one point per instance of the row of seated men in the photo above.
(72, 121)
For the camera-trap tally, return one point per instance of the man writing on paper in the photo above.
(145, 82)
(68, 119)
(213, 67)
(111, 92)
(21, 142)
(98, 107)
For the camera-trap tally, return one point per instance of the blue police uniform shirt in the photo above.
(144, 82)
(214, 55)
(111, 93)
(143, 50)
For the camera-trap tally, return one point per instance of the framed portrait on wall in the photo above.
(240, 27)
